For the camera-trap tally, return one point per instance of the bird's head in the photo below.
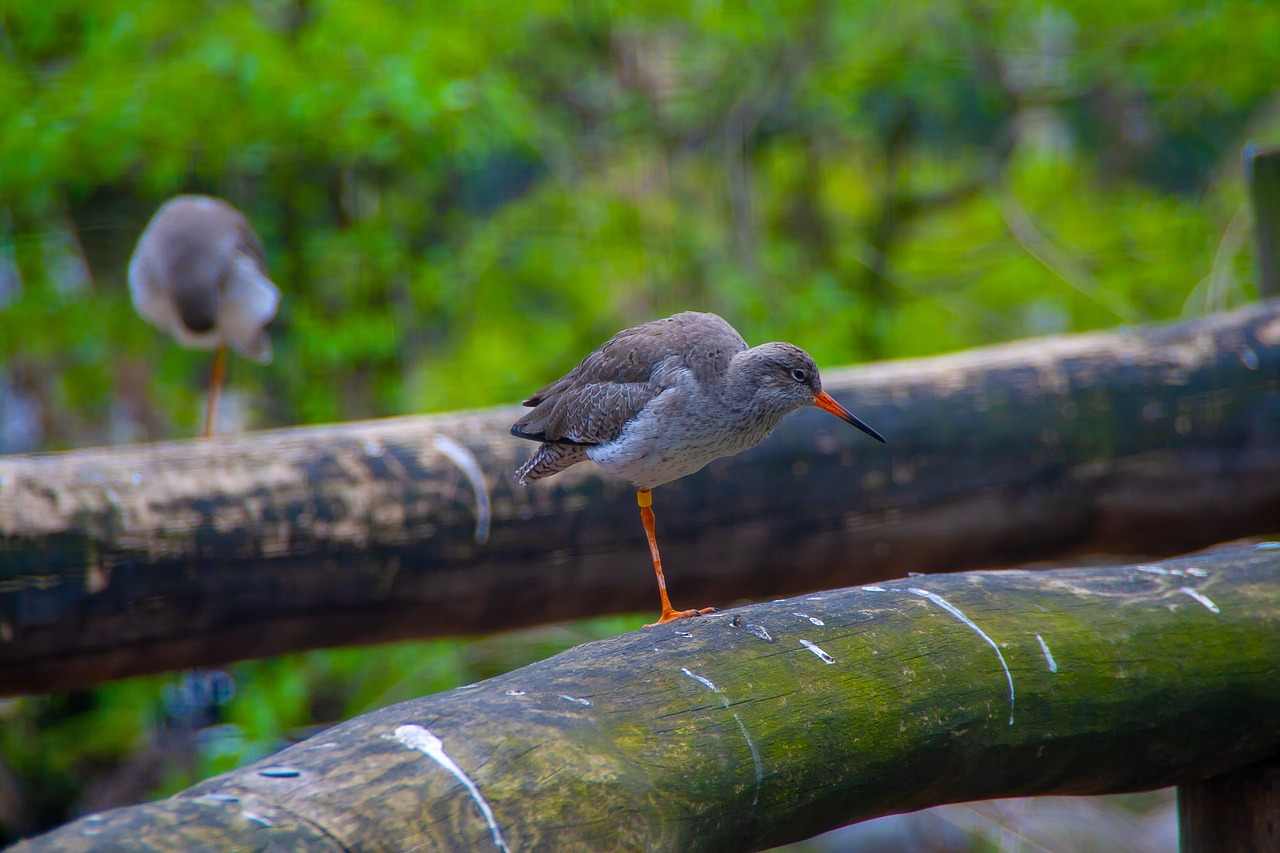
(787, 378)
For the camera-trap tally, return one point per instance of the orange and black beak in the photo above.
(824, 401)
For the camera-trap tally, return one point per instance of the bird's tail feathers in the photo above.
(549, 459)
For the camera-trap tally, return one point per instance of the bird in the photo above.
(198, 273)
(658, 401)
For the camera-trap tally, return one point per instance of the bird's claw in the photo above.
(672, 615)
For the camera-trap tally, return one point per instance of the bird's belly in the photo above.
(649, 461)
(211, 339)
(649, 467)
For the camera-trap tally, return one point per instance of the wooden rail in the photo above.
(123, 560)
(774, 722)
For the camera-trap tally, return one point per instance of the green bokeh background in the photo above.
(460, 200)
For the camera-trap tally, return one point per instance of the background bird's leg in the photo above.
(215, 388)
(644, 497)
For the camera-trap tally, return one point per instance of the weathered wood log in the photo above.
(775, 722)
(137, 559)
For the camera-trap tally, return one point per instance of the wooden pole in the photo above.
(1236, 812)
(125, 560)
(774, 722)
(1262, 173)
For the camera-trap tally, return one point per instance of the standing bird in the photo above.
(661, 400)
(198, 273)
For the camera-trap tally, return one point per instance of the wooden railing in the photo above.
(773, 722)
(126, 560)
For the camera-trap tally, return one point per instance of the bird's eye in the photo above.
(799, 374)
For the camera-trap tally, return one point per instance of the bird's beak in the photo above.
(824, 401)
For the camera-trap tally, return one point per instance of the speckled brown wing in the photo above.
(593, 402)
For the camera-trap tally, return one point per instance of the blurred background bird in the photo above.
(198, 273)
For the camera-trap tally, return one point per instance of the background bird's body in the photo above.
(198, 274)
(659, 401)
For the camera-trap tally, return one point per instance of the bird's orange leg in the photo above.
(644, 497)
(215, 388)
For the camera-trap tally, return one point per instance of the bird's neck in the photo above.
(742, 395)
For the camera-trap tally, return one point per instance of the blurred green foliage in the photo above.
(460, 200)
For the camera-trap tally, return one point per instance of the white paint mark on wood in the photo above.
(1197, 573)
(683, 634)
(954, 611)
(470, 468)
(515, 693)
(706, 682)
(1048, 655)
(875, 589)
(812, 619)
(421, 739)
(1203, 599)
(90, 831)
(254, 817)
(813, 647)
(586, 702)
(1267, 546)
(1152, 570)
(755, 753)
(755, 758)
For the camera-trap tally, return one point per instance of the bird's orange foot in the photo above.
(672, 615)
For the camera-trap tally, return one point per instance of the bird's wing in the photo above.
(594, 401)
(250, 303)
(247, 241)
(585, 414)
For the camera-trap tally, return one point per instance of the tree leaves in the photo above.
(481, 192)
